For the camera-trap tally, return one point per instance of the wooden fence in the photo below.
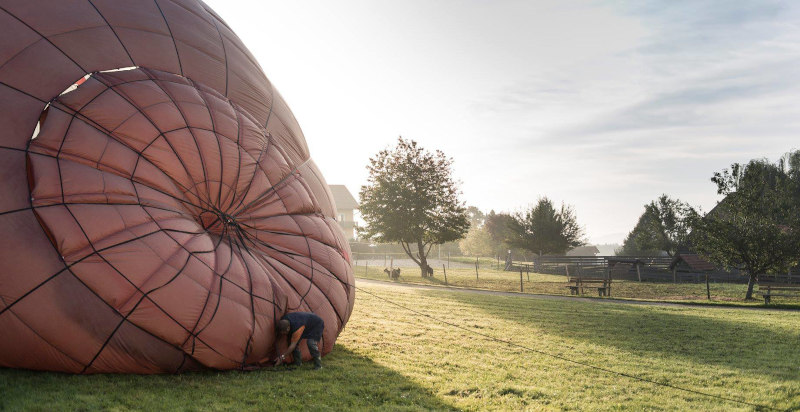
(636, 268)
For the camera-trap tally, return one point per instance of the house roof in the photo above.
(719, 208)
(343, 198)
(695, 262)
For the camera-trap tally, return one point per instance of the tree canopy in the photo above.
(476, 217)
(545, 229)
(499, 227)
(756, 227)
(478, 242)
(642, 240)
(664, 226)
(411, 198)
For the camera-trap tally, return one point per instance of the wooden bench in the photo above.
(768, 289)
(577, 283)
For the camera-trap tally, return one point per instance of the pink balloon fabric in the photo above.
(159, 206)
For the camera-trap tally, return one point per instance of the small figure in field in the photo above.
(429, 270)
(297, 326)
(393, 273)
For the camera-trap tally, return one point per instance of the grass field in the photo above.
(389, 358)
(536, 283)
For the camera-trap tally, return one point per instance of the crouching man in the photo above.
(298, 326)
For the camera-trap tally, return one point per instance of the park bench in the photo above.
(777, 286)
(578, 283)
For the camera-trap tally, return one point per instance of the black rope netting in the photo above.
(226, 221)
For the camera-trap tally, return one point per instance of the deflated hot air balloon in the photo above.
(159, 209)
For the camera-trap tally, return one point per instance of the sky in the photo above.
(602, 105)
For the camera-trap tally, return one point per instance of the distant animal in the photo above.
(392, 273)
(429, 271)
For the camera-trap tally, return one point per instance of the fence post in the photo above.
(476, 269)
(520, 280)
(675, 274)
(528, 271)
(444, 269)
(708, 288)
(391, 264)
(638, 272)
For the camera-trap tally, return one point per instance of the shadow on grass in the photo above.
(348, 381)
(705, 338)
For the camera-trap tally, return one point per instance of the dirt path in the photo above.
(362, 281)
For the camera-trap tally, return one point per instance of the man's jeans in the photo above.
(313, 349)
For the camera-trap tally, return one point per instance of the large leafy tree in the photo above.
(545, 229)
(664, 226)
(756, 227)
(411, 199)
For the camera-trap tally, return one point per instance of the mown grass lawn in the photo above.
(537, 283)
(389, 358)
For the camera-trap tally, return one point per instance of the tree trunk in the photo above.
(423, 260)
(750, 284)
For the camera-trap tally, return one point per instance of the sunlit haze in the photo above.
(603, 105)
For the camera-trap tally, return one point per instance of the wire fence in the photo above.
(644, 268)
(652, 279)
(402, 260)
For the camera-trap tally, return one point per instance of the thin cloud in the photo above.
(602, 104)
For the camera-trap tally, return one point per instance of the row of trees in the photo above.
(411, 199)
(540, 229)
(755, 228)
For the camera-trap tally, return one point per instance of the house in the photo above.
(345, 205)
